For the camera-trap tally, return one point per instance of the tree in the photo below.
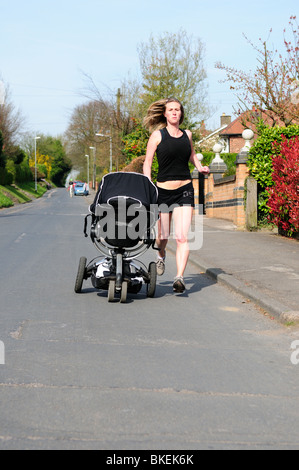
(271, 89)
(86, 121)
(130, 103)
(11, 123)
(17, 155)
(61, 165)
(51, 155)
(13, 160)
(60, 169)
(2, 156)
(135, 143)
(117, 107)
(172, 65)
(116, 111)
(43, 161)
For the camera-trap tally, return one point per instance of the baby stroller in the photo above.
(123, 217)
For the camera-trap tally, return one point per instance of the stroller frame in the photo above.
(120, 271)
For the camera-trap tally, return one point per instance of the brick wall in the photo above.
(236, 143)
(224, 197)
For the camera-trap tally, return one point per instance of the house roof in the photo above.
(244, 121)
(217, 131)
(235, 127)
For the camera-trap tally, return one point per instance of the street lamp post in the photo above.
(94, 168)
(87, 156)
(110, 137)
(35, 168)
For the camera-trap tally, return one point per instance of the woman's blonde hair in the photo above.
(155, 118)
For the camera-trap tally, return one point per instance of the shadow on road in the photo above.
(194, 284)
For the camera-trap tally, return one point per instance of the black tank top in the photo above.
(173, 155)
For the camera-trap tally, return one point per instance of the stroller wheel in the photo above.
(124, 291)
(80, 274)
(151, 286)
(111, 291)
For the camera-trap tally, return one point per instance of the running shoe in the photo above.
(179, 285)
(160, 266)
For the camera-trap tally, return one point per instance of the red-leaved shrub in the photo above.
(284, 194)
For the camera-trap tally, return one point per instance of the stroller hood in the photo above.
(129, 185)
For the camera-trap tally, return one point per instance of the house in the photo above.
(229, 134)
(211, 138)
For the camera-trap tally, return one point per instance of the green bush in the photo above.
(135, 143)
(60, 169)
(11, 169)
(43, 170)
(23, 172)
(17, 155)
(5, 177)
(228, 158)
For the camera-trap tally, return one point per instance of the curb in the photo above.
(278, 310)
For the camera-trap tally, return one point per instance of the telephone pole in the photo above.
(118, 97)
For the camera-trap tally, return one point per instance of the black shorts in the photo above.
(168, 199)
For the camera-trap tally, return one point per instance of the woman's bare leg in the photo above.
(182, 217)
(164, 223)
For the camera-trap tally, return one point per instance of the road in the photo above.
(202, 370)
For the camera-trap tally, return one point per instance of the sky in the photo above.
(46, 47)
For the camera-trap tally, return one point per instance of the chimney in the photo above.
(225, 120)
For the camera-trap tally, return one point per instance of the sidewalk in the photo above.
(261, 266)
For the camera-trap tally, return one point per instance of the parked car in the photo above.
(81, 189)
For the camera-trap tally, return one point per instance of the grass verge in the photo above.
(4, 200)
(14, 193)
(25, 192)
(30, 189)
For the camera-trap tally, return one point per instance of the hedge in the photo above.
(260, 162)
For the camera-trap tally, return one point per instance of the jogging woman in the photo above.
(174, 150)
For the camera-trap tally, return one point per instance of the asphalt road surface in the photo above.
(201, 370)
